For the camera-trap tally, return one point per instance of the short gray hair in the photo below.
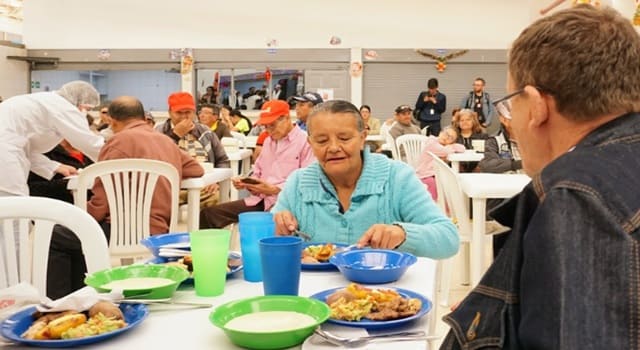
(337, 107)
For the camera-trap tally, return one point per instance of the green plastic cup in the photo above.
(209, 250)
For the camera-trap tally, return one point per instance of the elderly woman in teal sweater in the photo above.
(352, 196)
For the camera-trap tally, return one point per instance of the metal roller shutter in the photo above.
(387, 85)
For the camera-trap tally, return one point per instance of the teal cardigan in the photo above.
(387, 192)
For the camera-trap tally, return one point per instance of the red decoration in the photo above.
(267, 75)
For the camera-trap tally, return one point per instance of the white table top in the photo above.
(240, 154)
(379, 138)
(466, 156)
(211, 176)
(486, 185)
(191, 329)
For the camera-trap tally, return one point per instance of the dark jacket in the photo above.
(567, 277)
(427, 107)
(56, 188)
(499, 158)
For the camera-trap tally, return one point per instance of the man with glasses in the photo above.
(209, 115)
(479, 101)
(568, 274)
(285, 150)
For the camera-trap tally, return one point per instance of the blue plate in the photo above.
(154, 243)
(13, 327)
(232, 255)
(369, 324)
(321, 265)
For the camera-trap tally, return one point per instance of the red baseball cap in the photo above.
(272, 110)
(180, 101)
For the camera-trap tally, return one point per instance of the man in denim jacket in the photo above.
(568, 276)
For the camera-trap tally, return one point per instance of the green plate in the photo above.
(174, 273)
(273, 340)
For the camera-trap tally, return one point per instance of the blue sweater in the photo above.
(388, 192)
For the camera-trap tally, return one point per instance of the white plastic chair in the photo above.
(457, 204)
(424, 131)
(129, 185)
(31, 221)
(230, 144)
(411, 145)
(390, 143)
(242, 140)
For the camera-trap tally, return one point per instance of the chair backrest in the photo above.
(26, 225)
(411, 145)
(424, 131)
(230, 144)
(390, 143)
(129, 185)
(242, 139)
(456, 201)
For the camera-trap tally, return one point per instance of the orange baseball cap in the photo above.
(180, 101)
(272, 110)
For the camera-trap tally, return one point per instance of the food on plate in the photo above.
(270, 321)
(356, 302)
(73, 324)
(106, 308)
(318, 253)
(186, 262)
(138, 283)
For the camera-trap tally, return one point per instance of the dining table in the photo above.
(240, 161)
(181, 327)
(479, 187)
(466, 156)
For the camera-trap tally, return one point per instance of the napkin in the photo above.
(80, 300)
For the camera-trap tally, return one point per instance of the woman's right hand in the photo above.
(286, 223)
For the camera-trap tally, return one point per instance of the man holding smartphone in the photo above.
(285, 150)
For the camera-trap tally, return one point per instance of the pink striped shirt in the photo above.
(277, 160)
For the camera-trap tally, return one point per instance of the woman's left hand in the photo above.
(381, 236)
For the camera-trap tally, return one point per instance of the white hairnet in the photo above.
(80, 93)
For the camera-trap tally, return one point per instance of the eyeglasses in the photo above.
(508, 97)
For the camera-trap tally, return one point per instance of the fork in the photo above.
(302, 235)
(359, 341)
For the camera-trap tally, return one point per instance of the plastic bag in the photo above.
(17, 297)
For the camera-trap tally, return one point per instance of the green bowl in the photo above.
(174, 273)
(270, 340)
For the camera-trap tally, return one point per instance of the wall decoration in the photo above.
(356, 69)
(104, 54)
(441, 61)
(371, 55)
(335, 40)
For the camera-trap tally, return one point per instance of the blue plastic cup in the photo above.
(281, 265)
(253, 226)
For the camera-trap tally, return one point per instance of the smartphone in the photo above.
(249, 180)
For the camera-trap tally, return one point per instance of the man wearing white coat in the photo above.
(33, 124)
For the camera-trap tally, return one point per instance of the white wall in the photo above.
(14, 75)
(73, 24)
